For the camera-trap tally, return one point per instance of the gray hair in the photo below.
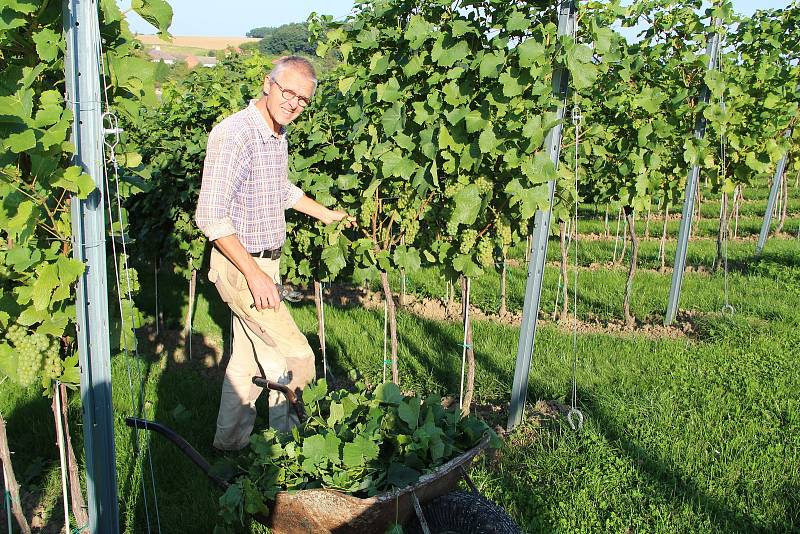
(297, 63)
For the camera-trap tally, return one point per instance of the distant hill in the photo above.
(208, 43)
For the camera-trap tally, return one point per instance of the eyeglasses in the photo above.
(288, 94)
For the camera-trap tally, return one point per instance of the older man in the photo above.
(244, 195)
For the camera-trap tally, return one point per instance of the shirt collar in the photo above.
(263, 128)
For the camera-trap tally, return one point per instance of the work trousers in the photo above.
(265, 343)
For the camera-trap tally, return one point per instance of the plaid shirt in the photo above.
(246, 186)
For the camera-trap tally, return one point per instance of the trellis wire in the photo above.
(115, 131)
(723, 163)
(574, 412)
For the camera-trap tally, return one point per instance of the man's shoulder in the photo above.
(236, 126)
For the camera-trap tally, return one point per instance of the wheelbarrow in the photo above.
(429, 506)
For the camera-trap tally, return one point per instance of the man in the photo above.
(244, 194)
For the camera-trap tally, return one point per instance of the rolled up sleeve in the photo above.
(291, 194)
(224, 171)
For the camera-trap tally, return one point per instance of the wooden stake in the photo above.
(321, 326)
(503, 274)
(469, 388)
(663, 242)
(187, 329)
(629, 319)
(387, 294)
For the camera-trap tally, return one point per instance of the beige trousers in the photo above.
(265, 343)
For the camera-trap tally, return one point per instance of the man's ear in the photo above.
(265, 85)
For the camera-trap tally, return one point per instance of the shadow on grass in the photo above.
(676, 485)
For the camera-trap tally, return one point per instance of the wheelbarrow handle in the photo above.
(181, 443)
(287, 392)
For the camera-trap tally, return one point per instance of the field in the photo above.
(694, 428)
(199, 42)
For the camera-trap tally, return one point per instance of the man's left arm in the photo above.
(311, 207)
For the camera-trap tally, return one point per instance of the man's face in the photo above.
(281, 110)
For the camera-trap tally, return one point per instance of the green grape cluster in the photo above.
(484, 185)
(129, 275)
(15, 334)
(503, 232)
(366, 211)
(486, 252)
(411, 228)
(29, 350)
(452, 189)
(452, 228)
(53, 367)
(468, 238)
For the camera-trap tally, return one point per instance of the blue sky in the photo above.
(236, 17)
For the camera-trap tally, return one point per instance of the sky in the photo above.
(205, 17)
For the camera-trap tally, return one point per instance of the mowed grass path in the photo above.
(697, 434)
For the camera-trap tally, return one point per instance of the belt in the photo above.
(273, 254)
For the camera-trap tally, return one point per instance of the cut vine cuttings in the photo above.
(361, 442)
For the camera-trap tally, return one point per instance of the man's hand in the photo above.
(313, 208)
(262, 287)
(336, 215)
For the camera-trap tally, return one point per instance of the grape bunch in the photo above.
(484, 185)
(366, 211)
(452, 189)
(127, 275)
(486, 252)
(53, 367)
(29, 350)
(411, 228)
(468, 238)
(503, 232)
(452, 228)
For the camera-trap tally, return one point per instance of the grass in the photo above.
(685, 434)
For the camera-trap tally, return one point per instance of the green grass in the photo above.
(697, 434)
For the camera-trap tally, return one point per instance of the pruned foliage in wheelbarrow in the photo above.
(361, 442)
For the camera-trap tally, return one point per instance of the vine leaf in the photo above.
(157, 12)
(468, 205)
(48, 43)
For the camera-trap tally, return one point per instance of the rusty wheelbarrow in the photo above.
(429, 506)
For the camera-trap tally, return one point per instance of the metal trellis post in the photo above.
(541, 232)
(777, 180)
(691, 189)
(81, 29)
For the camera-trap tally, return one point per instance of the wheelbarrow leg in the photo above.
(468, 480)
(418, 509)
